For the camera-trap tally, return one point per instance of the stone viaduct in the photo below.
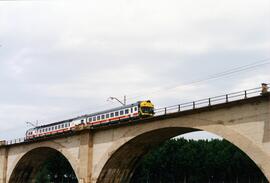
(111, 154)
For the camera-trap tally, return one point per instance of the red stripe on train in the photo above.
(91, 123)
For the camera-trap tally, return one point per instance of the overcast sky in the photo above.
(60, 59)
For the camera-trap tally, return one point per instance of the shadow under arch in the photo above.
(29, 165)
(121, 165)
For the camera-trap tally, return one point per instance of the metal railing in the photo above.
(15, 141)
(221, 99)
(207, 102)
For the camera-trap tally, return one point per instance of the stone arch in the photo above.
(26, 165)
(118, 164)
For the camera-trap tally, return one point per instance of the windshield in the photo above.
(149, 110)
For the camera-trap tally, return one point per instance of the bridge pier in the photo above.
(85, 158)
(3, 164)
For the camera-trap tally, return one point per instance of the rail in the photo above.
(207, 102)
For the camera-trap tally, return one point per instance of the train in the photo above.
(140, 109)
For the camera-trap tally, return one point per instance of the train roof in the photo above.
(87, 115)
(50, 124)
(113, 109)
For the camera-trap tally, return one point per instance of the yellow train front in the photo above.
(146, 108)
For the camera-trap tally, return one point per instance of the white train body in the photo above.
(144, 108)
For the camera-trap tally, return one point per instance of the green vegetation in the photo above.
(56, 170)
(189, 161)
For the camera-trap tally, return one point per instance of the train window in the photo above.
(56, 127)
(121, 112)
(94, 118)
(107, 115)
(102, 116)
(59, 126)
(131, 110)
(112, 114)
(98, 117)
(126, 111)
(62, 125)
(65, 125)
(90, 119)
(50, 129)
(116, 113)
(53, 128)
(135, 108)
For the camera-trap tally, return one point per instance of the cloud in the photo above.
(253, 81)
(201, 135)
(65, 58)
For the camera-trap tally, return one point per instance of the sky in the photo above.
(60, 59)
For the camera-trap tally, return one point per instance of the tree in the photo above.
(203, 161)
(56, 170)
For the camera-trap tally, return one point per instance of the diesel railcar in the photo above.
(136, 110)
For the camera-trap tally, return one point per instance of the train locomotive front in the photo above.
(146, 108)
